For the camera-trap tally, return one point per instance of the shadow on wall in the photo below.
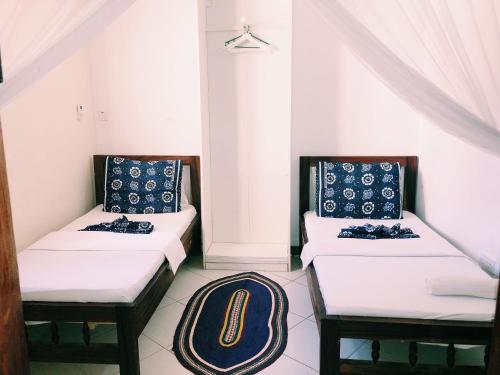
(458, 192)
(315, 94)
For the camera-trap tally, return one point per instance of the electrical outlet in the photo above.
(102, 116)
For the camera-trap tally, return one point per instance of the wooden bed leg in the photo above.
(54, 332)
(128, 344)
(375, 351)
(413, 353)
(450, 355)
(86, 333)
(329, 361)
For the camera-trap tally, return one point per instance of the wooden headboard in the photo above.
(410, 182)
(192, 161)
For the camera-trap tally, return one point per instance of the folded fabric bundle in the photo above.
(483, 287)
(372, 232)
(122, 225)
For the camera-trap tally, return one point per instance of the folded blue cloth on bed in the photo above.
(376, 232)
(122, 225)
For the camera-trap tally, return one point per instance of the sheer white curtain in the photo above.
(440, 56)
(36, 35)
(28, 27)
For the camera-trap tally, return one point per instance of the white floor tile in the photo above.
(93, 369)
(162, 362)
(293, 320)
(184, 301)
(304, 332)
(472, 357)
(185, 284)
(349, 346)
(213, 274)
(105, 335)
(166, 301)
(288, 366)
(146, 345)
(40, 368)
(298, 299)
(364, 352)
(296, 271)
(397, 351)
(307, 332)
(161, 327)
(275, 277)
(302, 280)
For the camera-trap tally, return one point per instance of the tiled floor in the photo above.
(301, 356)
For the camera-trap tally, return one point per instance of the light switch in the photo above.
(79, 112)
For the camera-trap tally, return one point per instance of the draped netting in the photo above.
(37, 35)
(441, 56)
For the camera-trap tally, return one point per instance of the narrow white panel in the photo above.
(250, 106)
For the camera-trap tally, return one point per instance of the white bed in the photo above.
(394, 287)
(387, 278)
(73, 266)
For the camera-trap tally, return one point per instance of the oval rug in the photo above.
(233, 325)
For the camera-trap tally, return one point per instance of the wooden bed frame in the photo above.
(130, 318)
(334, 327)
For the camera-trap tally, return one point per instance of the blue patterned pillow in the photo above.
(142, 187)
(358, 190)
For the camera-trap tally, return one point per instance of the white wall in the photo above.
(145, 70)
(338, 106)
(250, 107)
(458, 192)
(48, 151)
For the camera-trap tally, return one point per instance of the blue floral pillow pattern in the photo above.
(358, 190)
(142, 187)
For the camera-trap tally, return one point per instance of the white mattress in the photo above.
(60, 267)
(395, 287)
(85, 276)
(322, 236)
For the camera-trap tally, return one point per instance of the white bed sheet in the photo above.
(85, 276)
(165, 243)
(322, 239)
(67, 265)
(176, 223)
(395, 287)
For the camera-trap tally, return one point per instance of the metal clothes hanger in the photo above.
(247, 40)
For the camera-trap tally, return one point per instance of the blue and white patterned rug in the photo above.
(234, 325)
